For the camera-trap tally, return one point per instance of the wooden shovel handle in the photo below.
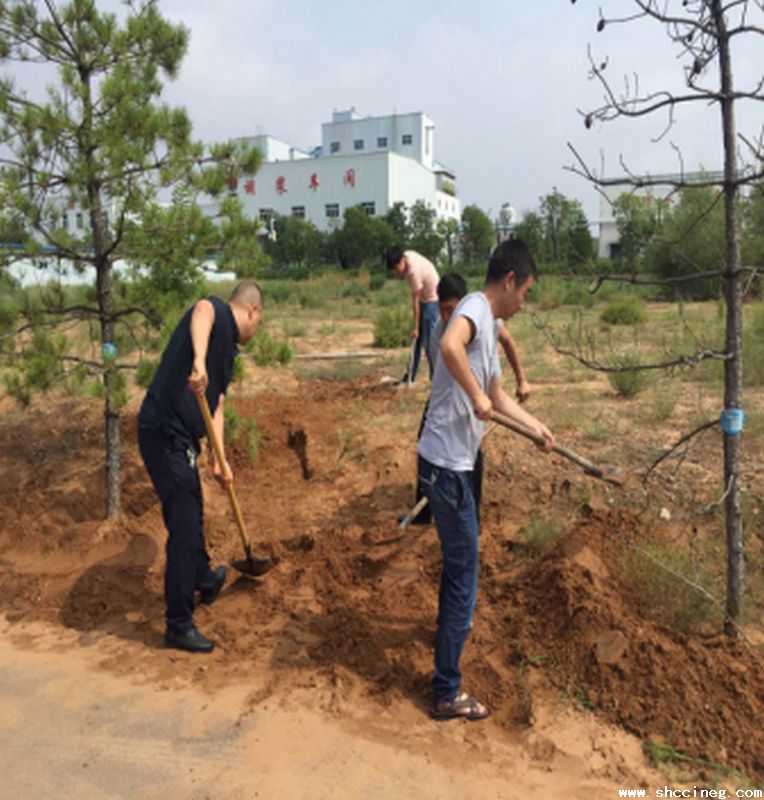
(587, 466)
(213, 437)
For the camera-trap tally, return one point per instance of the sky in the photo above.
(503, 83)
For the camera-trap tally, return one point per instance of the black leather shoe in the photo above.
(191, 640)
(209, 595)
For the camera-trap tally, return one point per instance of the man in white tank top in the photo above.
(466, 387)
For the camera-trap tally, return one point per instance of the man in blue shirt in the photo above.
(197, 360)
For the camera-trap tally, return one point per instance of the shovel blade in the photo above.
(252, 567)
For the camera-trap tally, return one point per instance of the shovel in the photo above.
(410, 366)
(250, 566)
(612, 475)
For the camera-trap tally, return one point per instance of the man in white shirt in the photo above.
(466, 387)
(422, 278)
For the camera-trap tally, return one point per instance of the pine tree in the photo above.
(86, 165)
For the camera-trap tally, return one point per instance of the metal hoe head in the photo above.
(252, 567)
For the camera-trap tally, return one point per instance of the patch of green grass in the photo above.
(583, 700)
(753, 347)
(660, 405)
(660, 593)
(293, 328)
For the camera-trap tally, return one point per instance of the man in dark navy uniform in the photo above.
(198, 360)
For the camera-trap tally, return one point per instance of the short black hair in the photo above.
(451, 287)
(512, 255)
(393, 256)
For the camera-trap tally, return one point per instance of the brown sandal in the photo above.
(462, 706)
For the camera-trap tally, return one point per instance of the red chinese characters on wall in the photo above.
(349, 179)
(313, 181)
(249, 186)
(281, 185)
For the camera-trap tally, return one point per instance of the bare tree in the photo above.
(704, 33)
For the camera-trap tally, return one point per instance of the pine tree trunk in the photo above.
(111, 409)
(733, 367)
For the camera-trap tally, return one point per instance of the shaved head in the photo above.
(247, 293)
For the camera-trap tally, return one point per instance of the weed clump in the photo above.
(629, 382)
(624, 310)
(392, 328)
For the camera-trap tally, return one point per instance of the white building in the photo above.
(372, 162)
(609, 240)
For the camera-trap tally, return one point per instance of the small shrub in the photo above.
(541, 534)
(267, 351)
(576, 293)
(232, 423)
(392, 328)
(252, 439)
(630, 382)
(663, 402)
(624, 310)
(549, 295)
(377, 281)
(238, 369)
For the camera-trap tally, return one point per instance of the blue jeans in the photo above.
(428, 316)
(451, 498)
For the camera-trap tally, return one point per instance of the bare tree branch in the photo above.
(686, 438)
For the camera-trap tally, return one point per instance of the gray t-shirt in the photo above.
(435, 336)
(452, 433)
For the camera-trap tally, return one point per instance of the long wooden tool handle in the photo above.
(410, 365)
(592, 469)
(213, 437)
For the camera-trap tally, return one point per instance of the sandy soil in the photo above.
(320, 680)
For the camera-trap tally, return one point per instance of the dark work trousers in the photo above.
(176, 480)
(425, 515)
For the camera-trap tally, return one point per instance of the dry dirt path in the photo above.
(68, 730)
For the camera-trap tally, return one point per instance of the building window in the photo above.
(65, 221)
(369, 208)
(381, 141)
(79, 220)
(298, 211)
(334, 147)
(358, 144)
(332, 210)
(266, 214)
(407, 138)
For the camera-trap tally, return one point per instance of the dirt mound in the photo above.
(703, 696)
(352, 602)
